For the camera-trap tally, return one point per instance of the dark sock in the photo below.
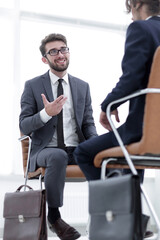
(53, 214)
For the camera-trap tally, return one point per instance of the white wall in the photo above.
(96, 42)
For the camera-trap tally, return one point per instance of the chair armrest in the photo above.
(108, 114)
(22, 138)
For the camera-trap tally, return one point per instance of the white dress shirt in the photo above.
(69, 124)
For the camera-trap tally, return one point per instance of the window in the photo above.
(95, 33)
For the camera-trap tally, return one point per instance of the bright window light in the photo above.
(95, 31)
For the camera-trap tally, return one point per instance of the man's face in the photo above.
(59, 62)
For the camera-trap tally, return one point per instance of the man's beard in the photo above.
(58, 68)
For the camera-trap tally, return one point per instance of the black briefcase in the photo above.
(115, 208)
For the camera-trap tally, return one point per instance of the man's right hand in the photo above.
(53, 108)
(104, 120)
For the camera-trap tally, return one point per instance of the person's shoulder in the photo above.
(76, 79)
(139, 28)
(139, 24)
(143, 28)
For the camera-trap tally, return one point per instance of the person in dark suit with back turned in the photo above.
(142, 39)
(58, 116)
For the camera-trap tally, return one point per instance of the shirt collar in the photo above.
(151, 17)
(148, 17)
(55, 78)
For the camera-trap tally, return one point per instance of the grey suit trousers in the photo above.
(55, 161)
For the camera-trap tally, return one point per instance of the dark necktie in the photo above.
(60, 136)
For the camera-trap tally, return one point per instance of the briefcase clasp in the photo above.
(109, 216)
(21, 218)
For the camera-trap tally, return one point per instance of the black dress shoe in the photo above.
(63, 230)
(148, 234)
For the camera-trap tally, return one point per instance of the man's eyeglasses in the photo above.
(54, 51)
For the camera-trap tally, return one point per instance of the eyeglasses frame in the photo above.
(58, 50)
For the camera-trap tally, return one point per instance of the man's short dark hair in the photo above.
(51, 38)
(153, 5)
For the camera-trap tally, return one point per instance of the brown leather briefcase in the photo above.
(25, 215)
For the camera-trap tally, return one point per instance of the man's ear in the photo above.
(44, 60)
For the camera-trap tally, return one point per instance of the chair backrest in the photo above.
(73, 172)
(150, 142)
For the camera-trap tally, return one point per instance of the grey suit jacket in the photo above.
(31, 104)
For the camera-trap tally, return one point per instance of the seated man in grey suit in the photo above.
(56, 110)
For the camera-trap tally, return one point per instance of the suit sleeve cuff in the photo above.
(44, 116)
(103, 106)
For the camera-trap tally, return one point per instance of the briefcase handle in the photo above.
(114, 173)
(103, 169)
(24, 186)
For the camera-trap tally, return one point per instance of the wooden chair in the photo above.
(144, 154)
(73, 172)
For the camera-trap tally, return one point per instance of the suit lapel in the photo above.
(73, 86)
(74, 92)
(47, 86)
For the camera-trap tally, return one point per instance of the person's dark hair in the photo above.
(51, 38)
(153, 5)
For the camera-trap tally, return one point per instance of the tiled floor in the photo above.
(56, 238)
(86, 238)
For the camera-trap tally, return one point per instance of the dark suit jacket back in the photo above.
(143, 37)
